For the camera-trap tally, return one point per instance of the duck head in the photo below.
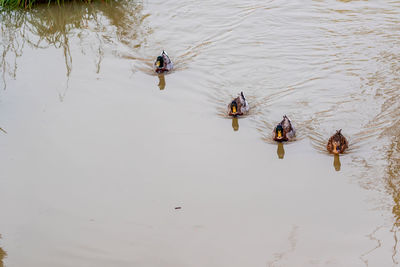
(234, 107)
(160, 62)
(279, 133)
(337, 142)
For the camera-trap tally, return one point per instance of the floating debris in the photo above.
(1, 129)
(178, 208)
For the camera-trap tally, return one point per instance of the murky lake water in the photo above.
(97, 151)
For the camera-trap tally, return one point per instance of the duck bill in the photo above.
(335, 150)
(279, 137)
(234, 109)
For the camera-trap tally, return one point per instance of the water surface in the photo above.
(97, 151)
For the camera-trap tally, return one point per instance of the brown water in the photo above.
(97, 151)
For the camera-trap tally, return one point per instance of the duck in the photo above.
(163, 63)
(284, 131)
(238, 106)
(337, 143)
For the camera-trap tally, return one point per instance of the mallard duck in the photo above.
(238, 106)
(284, 131)
(337, 143)
(163, 63)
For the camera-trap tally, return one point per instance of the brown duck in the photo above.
(238, 106)
(337, 143)
(284, 131)
(163, 63)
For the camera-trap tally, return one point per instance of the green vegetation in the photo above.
(28, 4)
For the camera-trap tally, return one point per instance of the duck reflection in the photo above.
(336, 162)
(280, 150)
(161, 81)
(3, 254)
(235, 124)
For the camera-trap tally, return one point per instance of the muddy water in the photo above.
(104, 163)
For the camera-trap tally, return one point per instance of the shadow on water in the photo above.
(235, 124)
(336, 162)
(280, 151)
(161, 81)
(94, 26)
(3, 254)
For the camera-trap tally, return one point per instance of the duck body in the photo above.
(238, 106)
(163, 63)
(337, 143)
(284, 131)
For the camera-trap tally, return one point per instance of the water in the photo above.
(97, 151)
